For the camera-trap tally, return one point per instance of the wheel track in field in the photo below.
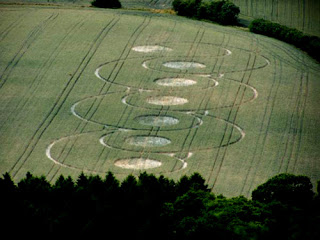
(301, 123)
(131, 109)
(226, 128)
(276, 56)
(298, 58)
(193, 47)
(288, 135)
(220, 76)
(237, 127)
(79, 125)
(152, 129)
(259, 159)
(42, 72)
(265, 117)
(224, 136)
(300, 112)
(232, 129)
(128, 47)
(60, 101)
(35, 33)
(264, 139)
(122, 59)
(295, 119)
(157, 129)
(195, 42)
(196, 130)
(124, 53)
(13, 25)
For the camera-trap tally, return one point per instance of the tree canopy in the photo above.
(222, 12)
(310, 44)
(106, 3)
(147, 206)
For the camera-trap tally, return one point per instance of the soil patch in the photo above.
(149, 49)
(175, 82)
(147, 141)
(157, 121)
(137, 163)
(166, 100)
(183, 65)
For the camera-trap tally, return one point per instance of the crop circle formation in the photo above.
(129, 137)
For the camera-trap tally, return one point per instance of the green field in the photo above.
(155, 4)
(97, 90)
(300, 14)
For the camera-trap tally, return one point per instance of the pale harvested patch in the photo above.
(148, 49)
(157, 121)
(166, 100)
(147, 141)
(184, 65)
(137, 163)
(175, 82)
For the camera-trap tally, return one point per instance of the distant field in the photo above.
(300, 14)
(157, 4)
(97, 90)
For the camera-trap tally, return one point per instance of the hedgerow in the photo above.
(106, 3)
(222, 12)
(310, 44)
(150, 207)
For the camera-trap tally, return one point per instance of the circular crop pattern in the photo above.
(147, 141)
(175, 82)
(137, 163)
(166, 100)
(161, 115)
(150, 48)
(183, 65)
(157, 121)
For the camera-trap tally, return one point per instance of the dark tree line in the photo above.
(106, 3)
(150, 207)
(310, 44)
(222, 12)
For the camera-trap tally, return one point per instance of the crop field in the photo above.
(142, 4)
(300, 14)
(89, 90)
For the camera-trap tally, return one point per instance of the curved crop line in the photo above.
(233, 125)
(206, 101)
(216, 162)
(98, 75)
(170, 154)
(67, 89)
(254, 90)
(60, 101)
(124, 53)
(182, 160)
(267, 63)
(31, 38)
(184, 111)
(219, 166)
(123, 100)
(49, 155)
(133, 36)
